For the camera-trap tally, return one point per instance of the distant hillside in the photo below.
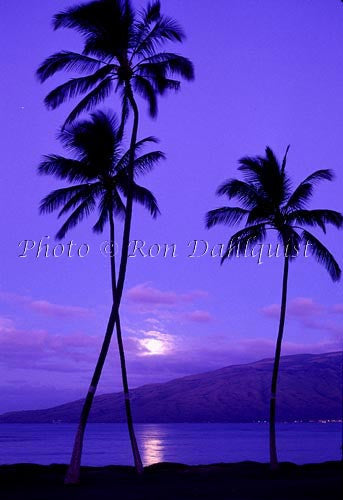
(310, 388)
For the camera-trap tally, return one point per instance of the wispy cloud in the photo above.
(147, 295)
(337, 309)
(162, 307)
(44, 307)
(300, 307)
(40, 349)
(199, 316)
(311, 315)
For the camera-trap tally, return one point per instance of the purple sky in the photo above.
(266, 73)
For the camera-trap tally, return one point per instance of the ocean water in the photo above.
(192, 444)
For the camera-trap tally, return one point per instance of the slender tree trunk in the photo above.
(272, 435)
(129, 199)
(129, 420)
(73, 472)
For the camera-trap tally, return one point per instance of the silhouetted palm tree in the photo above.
(268, 203)
(99, 177)
(121, 53)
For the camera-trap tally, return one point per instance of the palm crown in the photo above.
(121, 52)
(268, 202)
(98, 171)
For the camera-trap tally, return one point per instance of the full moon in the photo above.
(154, 346)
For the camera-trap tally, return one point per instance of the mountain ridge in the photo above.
(310, 388)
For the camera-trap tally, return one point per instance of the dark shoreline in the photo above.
(171, 481)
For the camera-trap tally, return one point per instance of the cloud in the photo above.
(272, 311)
(60, 311)
(147, 295)
(312, 316)
(337, 309)
(166, 307)
(45, 308)
(304, 307)
(300, 307)
(40, 349)
(199, 316)
(6, 324)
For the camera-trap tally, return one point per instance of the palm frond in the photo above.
(322, 255)
(59, 197)
(246, 193)
(82, 211)
(97, 95)
(64, 168)
(89, 192)
(225, 215)
(300, 197)
(145, 198)
(251, 168)
(142, 196)
(102, 220)
(68, 61)
(284, 161)
(303, 193)
(110, 202)
(152, 12)
(78, 17)
(259, 213)
(95, 18)
(147, 91)
(167, 63)
(117, 204)
(75, 87)
(148, 161)
(149, 38)
(319, 217)
(237, 244)
(320, 175)
(167, 84)
(290, 240)
(123, 163)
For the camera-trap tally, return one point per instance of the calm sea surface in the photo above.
(187, 443)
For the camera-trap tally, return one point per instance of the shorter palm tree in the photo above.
(98, 172)
(268, 203)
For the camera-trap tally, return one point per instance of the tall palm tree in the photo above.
(99, 178)
(121, 53)
(268, 203)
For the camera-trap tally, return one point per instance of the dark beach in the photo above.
(243, 481)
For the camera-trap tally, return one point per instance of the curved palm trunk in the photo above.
(73, 472)
(129, 420)
(121, 280)
(272, 436)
